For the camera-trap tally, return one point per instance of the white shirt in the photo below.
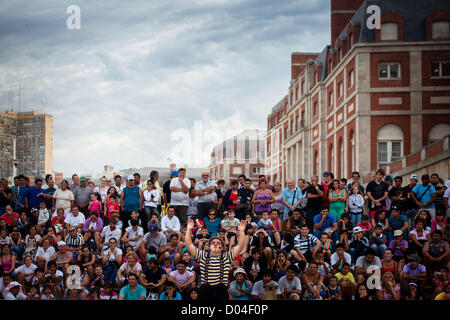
(258, 288)
(110, 256)
(133, 234)
(107, 233)
(210, 197)
(20, 296)
(148, 196)
(26, 269)
(75, 221)
(167, 223)
(335, 258)
(180, 198)
(45, 254)
(101, 193)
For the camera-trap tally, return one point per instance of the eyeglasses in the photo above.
(205, 175)
(211, 214)
(72, 230)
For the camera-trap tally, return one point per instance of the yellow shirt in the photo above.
(348, 278)
(440, 296)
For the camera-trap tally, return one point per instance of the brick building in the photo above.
(371, 98)
(26, 143)
(241, 154)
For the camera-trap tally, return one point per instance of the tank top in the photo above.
(131, 198)
(95, 206)
(262, 196)
(337, 207)
(437, 250)
(233, 197)
(7, 264)
(278, 203)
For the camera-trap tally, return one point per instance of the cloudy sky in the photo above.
(142, 81)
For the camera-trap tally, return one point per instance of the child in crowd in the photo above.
(346, 282)
(378, 241)
(112, 209)
(365, 225)
(333, 289)
(43, 218)
(95, 204)
(107, 292)
(355, 205)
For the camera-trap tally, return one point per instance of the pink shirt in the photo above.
(95, 206)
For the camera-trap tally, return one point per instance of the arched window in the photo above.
(390, 144)
(316, 162)
(438, 132)
(341, 159)
(331, 159)
(389, 31)
(352, 152)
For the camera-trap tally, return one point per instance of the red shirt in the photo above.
(233, 197)
(8, 219)
(112, 206)
(55, 219)
(326, 201)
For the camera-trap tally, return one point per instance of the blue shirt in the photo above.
(49, 202)
(328, 222)
(133, 295)
(164, 294)
(33, 199)
(23, 192)
(131, 200)
(419, 190)
(213, 227)
(397, 224)
(288, 195)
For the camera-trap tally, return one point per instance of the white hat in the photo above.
(239, 270)
(357, 229)
(414, 176)
(130, 177)
(15, 284)
(61, 243)
(398, 233)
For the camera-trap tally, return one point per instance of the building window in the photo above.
(303, 86)
(389, 71)
(441, 30)
(268, 148)
(351, 78)
(389, 151)
(340, 89)
(330, 99)
(390, 144)
(236, 153)
(389, 31)
(438, 132)
(440, 69)
(340, 53)
(315, 108)
(256, 170)
(237, 170)
(350, 40)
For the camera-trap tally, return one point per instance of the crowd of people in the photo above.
(210, 240)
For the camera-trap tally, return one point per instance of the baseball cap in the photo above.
(15, 284)
(396, 208)
(414, 257)
(357, 229)
(61, 243)
(414, 176)
(239, 270)
(398, 233)
(174, 173)
(328, 173)
(82, 179)
(130, 177)
(153, 228)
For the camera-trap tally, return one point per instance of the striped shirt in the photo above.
(303, 244)
(212, 275)
(74, 242)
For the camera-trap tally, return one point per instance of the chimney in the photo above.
(341, 13)
(298, 62)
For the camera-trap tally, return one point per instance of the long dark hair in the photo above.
(153, 175)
